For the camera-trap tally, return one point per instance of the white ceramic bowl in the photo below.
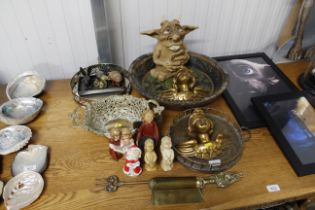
(13, 138)
(27, 84)
(22, 190)
(34, 158)
(20, 110)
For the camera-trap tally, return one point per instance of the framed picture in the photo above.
(252, 75)
(291, 121)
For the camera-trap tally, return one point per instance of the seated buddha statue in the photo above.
(184, 87)
(200, 127)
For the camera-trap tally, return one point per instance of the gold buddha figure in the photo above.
(201, 129)
(184, 87)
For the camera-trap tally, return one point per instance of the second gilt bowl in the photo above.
(232, 142)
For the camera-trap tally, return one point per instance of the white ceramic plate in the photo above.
(13, 138)
(22, 190)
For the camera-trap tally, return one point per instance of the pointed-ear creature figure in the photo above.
(170, 53)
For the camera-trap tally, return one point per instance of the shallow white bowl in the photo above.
(13, 138)
(22, 190)
(20, 110)
(34, 158)
(26, 84)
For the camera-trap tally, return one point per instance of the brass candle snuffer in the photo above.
(174, 190)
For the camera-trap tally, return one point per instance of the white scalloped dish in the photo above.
(13, 138)
(22, 190)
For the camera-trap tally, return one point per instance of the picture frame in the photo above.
(291, 120)
(252, 75)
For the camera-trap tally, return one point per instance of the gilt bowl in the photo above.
(209, 76)
(232, 142)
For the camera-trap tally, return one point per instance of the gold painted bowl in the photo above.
(231, 146)
(209, 76)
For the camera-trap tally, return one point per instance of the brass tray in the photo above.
(232, 144)
(209, 75)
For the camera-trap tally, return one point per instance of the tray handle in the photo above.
(158, 109)
(246, 133)
(77, 116)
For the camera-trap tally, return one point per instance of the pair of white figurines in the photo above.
(167, 154)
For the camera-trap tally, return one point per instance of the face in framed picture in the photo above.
(291, 120)
(251, 76)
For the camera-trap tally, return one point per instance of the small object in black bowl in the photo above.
(99, 81)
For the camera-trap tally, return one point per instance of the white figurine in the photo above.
(167, 153)
(132, 164)
(126, 139)
(150, 156)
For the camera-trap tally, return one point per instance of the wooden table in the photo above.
(78, 156)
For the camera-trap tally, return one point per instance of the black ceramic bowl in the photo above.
(208, 73)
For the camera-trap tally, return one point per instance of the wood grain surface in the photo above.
(78, 156)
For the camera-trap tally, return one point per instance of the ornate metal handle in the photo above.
(158, 109)
(76, 116)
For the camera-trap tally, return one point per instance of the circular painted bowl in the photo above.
(231, 147)
(209, 76)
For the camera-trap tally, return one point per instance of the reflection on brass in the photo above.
(170, 54)
(119, 123)
(296, 52)
(201, 128)
(305, 112)
(174, 190)
(307, 79)
(184, 87)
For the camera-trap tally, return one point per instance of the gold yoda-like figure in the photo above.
(184, 88)
(201, 129)
(170, 53)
